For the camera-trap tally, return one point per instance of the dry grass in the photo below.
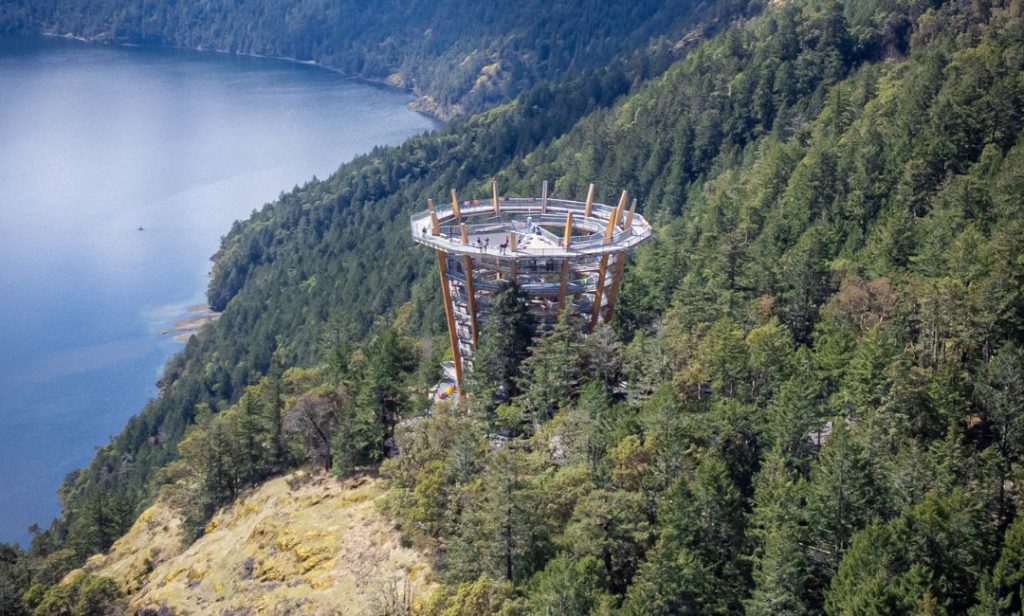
(296, 545)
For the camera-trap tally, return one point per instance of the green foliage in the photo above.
(551, 374)
(84, 595)
(569, 586)
(814, 403)
(463, 56)
(1001, 591)
(15, 578)
(481, 597)
(380, 395)
(503, 345)
(931, 555)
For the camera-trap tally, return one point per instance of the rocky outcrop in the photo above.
(297, 544)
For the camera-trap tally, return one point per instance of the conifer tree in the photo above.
(551, 374)
(381, 391)
(503, 345)
(602, 354)
(780, 569)
(1001, 593)
(794, 413)
(842, 497)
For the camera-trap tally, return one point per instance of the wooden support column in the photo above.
(564, 285)
(453, 334)
(566, 241)
(602, 269)
(613, 293)
(628, 223)
(435, 226)
(620, 264)
(615, 217)
(590, 200)
(494, 196)
(544, 198)
(598, 291)
(513, 239)
(467, 264)
(455, 206)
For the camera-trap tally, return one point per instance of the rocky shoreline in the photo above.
(183, 329)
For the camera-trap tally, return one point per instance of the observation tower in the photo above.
(563, 254)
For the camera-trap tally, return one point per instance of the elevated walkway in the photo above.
(562, 254)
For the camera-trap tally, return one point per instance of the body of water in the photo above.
(96, 142)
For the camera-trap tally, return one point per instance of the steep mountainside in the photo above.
(311, 545)
(457, 55)
(811, 401)
(358, 267)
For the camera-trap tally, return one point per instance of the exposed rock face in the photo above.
(429, 105)
(297, 544)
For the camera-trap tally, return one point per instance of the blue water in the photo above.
(95, 142)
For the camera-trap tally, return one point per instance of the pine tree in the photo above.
(502, 528)
(381, 387)
(795, 413)
(602, 354)
(1002, 592)
(780, 575)
(842, 497)
(551, 374)
(503, 345)
(569, 586)
(1001, 391)
(612, 527)
(781, 572)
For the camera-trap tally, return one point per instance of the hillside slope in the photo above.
(358, 268)
(822, 346)
(824, 358)
(297, 544)
(458, 56)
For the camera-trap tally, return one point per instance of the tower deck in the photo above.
(561, 253)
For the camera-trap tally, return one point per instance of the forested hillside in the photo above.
(811, 400)
(823, 410)
(457, 55)
(375, 274)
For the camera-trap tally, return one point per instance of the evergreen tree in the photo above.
(504, 343)
(780, 569)
(381, 390)
(780, 575)
(501, 533)
(569, 586)
(794, 415)
(925, 560)
(843, 495)
(1001, 593)
(14, 580)
(602, 356)
(613, 528)
(1001, 392)
(551, 374)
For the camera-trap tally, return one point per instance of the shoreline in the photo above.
(420, 103)
(185, 328)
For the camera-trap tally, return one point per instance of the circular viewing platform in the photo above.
(524, 228)
(561, 254)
